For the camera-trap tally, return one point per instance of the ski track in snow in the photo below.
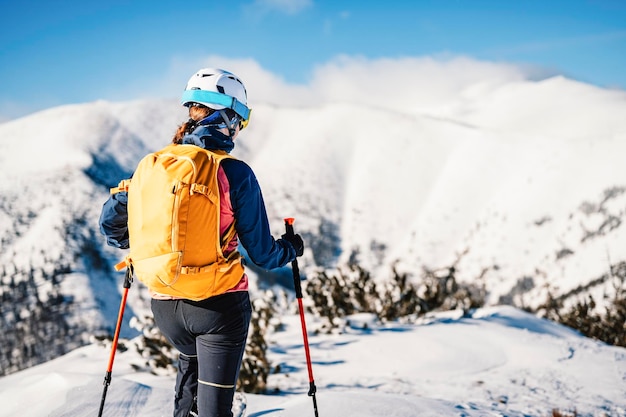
(125, 399)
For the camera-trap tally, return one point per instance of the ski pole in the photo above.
(298, 287)
(107, 377)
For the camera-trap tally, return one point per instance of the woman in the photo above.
(210, 334)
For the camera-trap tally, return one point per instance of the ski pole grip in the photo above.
(128, 277)
(294, 264)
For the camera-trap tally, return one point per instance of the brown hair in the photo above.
(196, 113)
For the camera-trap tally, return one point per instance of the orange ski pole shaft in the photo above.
(118, 326)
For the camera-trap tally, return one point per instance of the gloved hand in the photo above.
(296, 242)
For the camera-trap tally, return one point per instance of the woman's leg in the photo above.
(168, 317)
(220, 350)
(186, 385)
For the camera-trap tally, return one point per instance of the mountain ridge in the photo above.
(507, 200)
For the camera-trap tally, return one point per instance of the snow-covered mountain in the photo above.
(517, 183)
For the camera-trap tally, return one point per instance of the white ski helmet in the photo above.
(217, 89)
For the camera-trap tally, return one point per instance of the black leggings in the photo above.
(211, 337)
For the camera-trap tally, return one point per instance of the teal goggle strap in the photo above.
(203, 96)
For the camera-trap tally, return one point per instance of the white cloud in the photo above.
(285, 6)
(408, 84)
(262, 85)
(405, 84)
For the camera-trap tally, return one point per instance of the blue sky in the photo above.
(54, 53)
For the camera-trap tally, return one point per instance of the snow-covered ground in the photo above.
(498, 362)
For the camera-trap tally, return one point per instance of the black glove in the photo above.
(296, 242)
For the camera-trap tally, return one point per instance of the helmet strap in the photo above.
(232, 127)
(213, 120)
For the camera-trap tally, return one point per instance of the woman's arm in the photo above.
(114, 220)
(251, 221)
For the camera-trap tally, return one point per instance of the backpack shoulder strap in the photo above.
(230, 233)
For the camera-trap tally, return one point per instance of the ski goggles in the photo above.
(213, 97)
(244, 122)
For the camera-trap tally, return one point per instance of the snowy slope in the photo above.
(56, 280)
(499, 362)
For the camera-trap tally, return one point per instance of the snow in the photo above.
(499, 361)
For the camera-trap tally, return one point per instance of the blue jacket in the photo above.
(251, 221)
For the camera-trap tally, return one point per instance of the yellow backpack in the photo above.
(173, 224)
